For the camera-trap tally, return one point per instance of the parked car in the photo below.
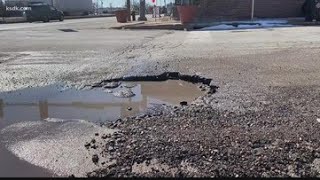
(43, 12)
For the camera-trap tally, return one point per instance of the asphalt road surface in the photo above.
(272, 73)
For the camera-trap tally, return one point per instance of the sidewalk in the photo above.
(12, 20)
(163, 23)
(301, 22)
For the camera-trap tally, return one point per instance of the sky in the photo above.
(120, 3)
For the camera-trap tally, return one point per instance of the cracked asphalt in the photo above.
(268, 94)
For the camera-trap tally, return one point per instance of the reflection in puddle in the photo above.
(96, 105)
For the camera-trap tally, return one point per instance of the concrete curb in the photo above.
(146, 26)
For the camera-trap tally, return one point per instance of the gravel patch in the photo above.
(278, 139)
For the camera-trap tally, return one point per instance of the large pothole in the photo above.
(106, 101)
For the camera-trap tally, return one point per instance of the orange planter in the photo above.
(122, 16)
(187, 13)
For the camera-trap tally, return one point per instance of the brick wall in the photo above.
(241, 9)
(278, 8)
(225, 9)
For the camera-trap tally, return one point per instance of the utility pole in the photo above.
(2, 9)
(252, 9)
(165, 7)
(142, 10)
(101, 7)
(129, 9)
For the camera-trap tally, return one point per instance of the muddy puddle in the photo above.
(108, 103)
(12, 166)
(96, 105)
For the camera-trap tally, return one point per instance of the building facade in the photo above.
(244, 9)
(74, 7)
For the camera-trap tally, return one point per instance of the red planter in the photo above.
(187, 13)
(122, 16)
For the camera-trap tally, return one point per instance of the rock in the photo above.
(121, 140)
(265, 175)
(124, 93)
(111, 85)
(129, 85)
(111, 149)
(258, 151)
(129, 108)
(292, 171)
(95, 158)
(184, 103)
(108, 91)
(96, 134)
(141, 116)
(112, 165)
(105, 136)
(87, 145)
(315, 166)
(112, 142)
(94, 147)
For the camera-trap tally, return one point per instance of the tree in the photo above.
(142, 11)
(2, 10)
(129, 9)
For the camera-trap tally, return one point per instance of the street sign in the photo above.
(156, 12)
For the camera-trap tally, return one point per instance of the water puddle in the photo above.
(12, 166)
(96, 105)
(100, 104)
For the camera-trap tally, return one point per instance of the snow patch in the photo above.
(249, 25)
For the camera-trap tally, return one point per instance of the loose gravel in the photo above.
(279, 138)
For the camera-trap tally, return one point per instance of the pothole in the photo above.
(68, 30)
(164, 77)
(106, 101)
